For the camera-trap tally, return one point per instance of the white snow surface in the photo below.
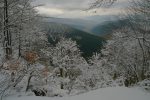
(116, 93)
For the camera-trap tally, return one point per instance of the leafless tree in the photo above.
(130, 46)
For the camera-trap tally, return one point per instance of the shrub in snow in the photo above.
(39, 91)
(145, 84)
(99, 72)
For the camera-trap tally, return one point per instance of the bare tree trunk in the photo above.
(28, 82)
(30, 75)
(61, 75)
(7, 34)
(19, 54)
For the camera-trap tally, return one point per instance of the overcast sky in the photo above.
(75, 8)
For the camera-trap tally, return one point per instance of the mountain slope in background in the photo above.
(108, 27)
(89, 34)
(88, 43)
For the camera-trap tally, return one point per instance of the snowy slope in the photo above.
(118, 93)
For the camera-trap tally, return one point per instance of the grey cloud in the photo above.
(64, 4)
(76, 7)
(75, 4)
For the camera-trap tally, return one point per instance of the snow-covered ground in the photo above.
(116, 93)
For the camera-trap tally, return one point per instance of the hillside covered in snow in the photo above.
(116, 93)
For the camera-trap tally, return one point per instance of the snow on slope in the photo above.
(118, 93)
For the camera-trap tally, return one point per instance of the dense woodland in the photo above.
(30, 64)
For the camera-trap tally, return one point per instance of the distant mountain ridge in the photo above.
(109, 26)
(98, 25)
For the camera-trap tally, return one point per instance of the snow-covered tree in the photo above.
(99, 3)
(22, 24)
(129, 49)
(100, 71)
(67, 63)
